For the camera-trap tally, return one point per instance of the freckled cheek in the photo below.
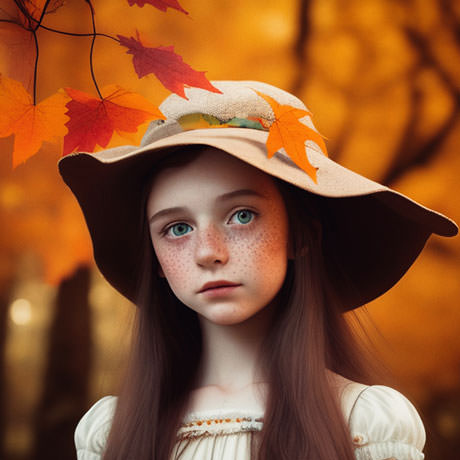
(173, 261)
(263, 248)
(270, 248)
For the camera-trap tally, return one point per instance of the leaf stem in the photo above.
(42, 14)
(57, 31)
(34, 32)
(94, 34)
(77, 34)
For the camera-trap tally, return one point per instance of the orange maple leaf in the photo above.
(289, 133)
(31, 124)
(93, 121)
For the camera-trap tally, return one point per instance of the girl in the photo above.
(241, 267)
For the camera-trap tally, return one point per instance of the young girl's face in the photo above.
(220, 233)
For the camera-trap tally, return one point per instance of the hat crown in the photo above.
(238, 99)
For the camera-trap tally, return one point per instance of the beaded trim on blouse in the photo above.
(219, 423)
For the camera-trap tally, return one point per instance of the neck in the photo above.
(230, 357)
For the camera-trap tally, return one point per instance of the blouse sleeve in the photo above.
(93, 429)
(385, 425)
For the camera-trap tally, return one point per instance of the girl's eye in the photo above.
(244, 216)
(179, 229)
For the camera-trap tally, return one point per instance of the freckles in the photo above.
(273, 237)
(260, 250)
(172, 262)
(269, 247)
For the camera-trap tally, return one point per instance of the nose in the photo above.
(211, 247)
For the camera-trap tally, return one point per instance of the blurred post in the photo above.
(66, 381)
(5, 289)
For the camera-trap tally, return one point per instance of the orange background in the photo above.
(382, 79)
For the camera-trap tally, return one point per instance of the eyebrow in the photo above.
(220, 198)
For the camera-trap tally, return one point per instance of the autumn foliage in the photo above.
(85, 121)
(162, 5)
(166, 65)
(93, 120)
(31, 124)
(288, 132)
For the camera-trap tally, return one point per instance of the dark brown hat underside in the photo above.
(369, 241)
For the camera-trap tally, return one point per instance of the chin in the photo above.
(225, 316)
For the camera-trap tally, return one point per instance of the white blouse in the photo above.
(383, 425)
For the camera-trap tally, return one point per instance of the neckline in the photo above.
(222, 414)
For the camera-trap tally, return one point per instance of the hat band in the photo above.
(193, 121)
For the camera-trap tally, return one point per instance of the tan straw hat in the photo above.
(377, 232)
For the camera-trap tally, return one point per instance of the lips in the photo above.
(217, 284)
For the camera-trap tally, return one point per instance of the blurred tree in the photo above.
(66, 382)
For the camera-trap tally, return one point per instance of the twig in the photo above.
(34, 32)
(94, 34)
(76, 34)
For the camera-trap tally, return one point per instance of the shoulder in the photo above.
(92, 430)
(383, 423)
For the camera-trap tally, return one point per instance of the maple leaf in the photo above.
(162, 5)
(166, 65)
(289, 133)
(31, 124)
(93, 121)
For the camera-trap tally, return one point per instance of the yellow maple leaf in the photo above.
(31, 124)
(289, 133)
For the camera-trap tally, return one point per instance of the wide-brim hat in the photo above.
(374, 233)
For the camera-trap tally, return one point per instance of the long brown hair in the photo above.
(308, 336)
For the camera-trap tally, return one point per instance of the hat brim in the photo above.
(373, 233)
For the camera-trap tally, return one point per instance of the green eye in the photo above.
(244, 216)
(180, 229)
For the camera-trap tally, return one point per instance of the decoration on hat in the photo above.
(285, 131)
(70, 113)
(288, 132)
(204, 121)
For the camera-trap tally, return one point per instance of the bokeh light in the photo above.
(21, 312)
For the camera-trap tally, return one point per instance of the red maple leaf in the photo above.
(93, 121)
(166, 65)
(162, 5)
